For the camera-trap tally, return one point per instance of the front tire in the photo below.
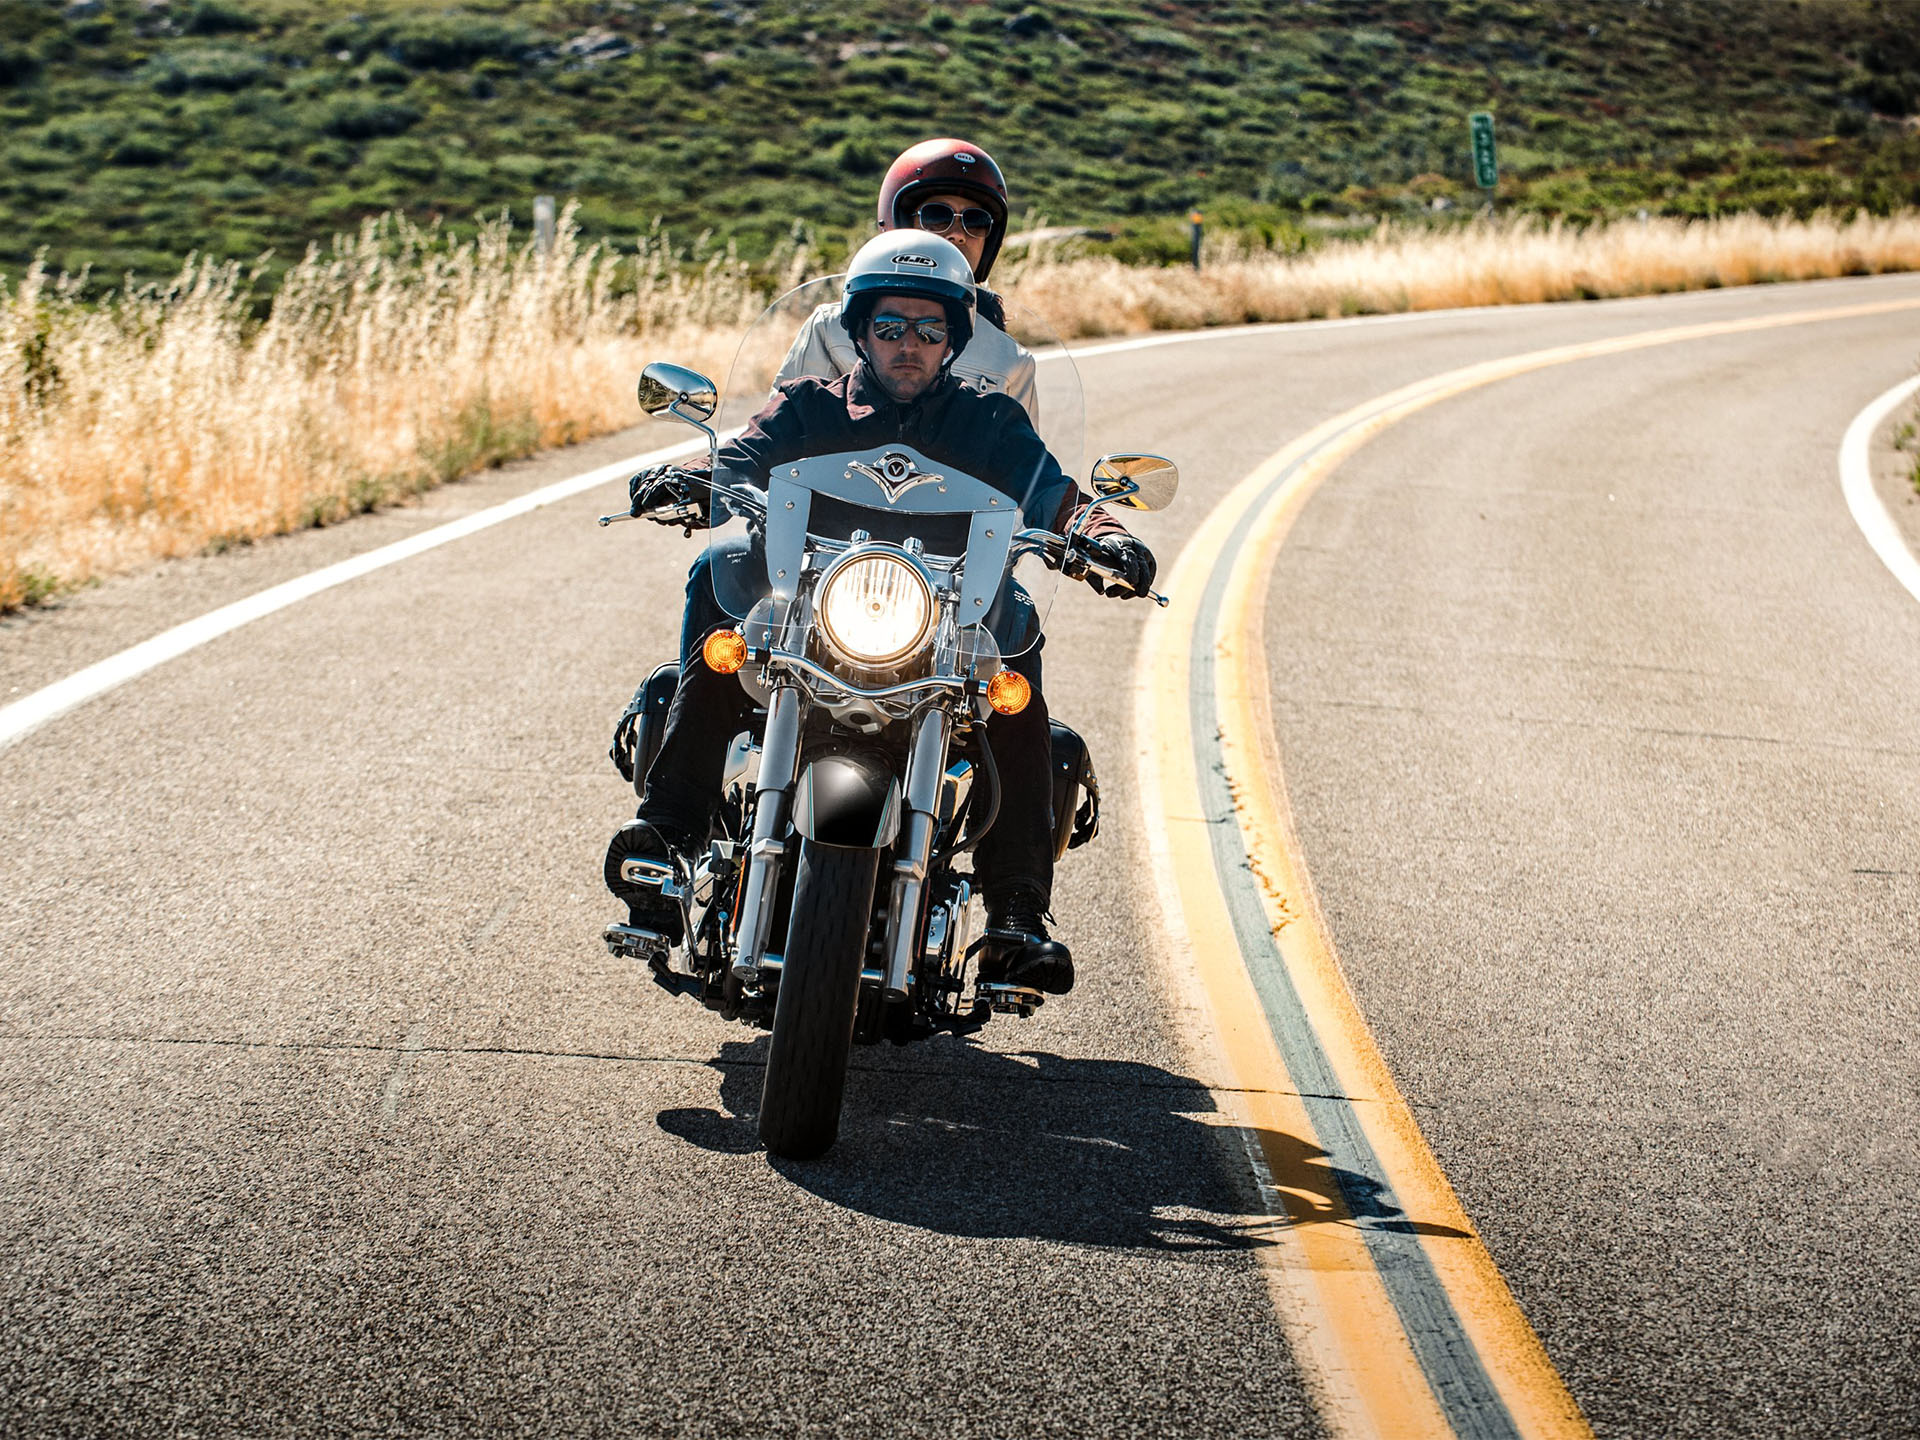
(819, 994)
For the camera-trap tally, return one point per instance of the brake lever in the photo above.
(1087, 564)
(1154, 595)
(669, 518)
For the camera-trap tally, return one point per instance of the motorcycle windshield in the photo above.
(966, 522)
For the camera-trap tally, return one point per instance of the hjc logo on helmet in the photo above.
(964, 158)
(925, 262)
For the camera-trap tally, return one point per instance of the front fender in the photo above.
(850, 800)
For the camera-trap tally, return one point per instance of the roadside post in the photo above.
(1486, 166)
(543, 224)
(1195, 223)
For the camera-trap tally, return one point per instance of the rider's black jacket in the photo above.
(986, 435)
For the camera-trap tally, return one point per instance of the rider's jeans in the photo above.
(708, 710)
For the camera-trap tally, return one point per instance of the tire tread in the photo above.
(819, 994)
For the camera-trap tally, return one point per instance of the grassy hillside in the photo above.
(138, 130)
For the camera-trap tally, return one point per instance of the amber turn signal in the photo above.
(1008, 692)
(725, 651)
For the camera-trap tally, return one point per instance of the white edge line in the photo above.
(1856, 483)
(26, 715)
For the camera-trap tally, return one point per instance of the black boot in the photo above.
(1016, 949)
(647, 907)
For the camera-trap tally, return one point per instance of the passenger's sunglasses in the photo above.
(893, 329)
(936, 217)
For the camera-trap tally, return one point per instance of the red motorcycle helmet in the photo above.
(939, 167)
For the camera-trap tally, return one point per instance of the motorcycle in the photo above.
(831, 905)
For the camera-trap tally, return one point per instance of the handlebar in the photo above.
(682, 512)
(1073, 556)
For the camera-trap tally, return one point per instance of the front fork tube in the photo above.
(779, 768)
(925, 766)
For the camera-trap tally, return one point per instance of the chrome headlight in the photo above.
(874, 606)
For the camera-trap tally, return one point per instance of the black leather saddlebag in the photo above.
(1076, 791)
(636, 736)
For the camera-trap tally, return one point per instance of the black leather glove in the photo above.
(661, 487)
(1130, 560)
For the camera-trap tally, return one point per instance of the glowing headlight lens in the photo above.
(875, 609)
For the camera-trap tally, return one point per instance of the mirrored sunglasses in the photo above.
(936, 217)
(893, 329)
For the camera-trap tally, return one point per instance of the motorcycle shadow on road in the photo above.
(968, 1142)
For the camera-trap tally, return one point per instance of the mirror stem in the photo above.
(1095, 503)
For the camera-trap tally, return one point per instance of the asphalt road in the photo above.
(324, 1111)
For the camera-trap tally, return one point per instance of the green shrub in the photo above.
(480, 436)
(140, 148)
(454, 40)
(766, 157)
(383, 71)
(17, 64)
(407, 158)
(1159, 37)
(216, 17)
(853, 157)
(525, 170)
(183, 70)
(24, 156)
(328, 154)
(356, 118)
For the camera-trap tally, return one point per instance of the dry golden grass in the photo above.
(167, 422)
(1507, 263)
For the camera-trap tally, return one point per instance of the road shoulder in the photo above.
(1894, 470)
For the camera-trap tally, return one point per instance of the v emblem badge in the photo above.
(895, 475)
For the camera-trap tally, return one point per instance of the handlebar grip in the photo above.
(1088, 563)
(1108, 575)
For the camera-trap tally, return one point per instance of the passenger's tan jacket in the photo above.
(993, 361)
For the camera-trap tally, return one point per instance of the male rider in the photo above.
(945, 187)
(909, 312)
(952, 189)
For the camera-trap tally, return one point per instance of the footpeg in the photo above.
(633, 943)
(1021, 1000)
(654, 875)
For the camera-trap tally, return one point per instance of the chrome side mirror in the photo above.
(1136, 482)
(667, 389)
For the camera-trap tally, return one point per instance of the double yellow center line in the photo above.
(1402, 1323)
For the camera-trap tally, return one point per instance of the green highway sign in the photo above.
(1486, 170)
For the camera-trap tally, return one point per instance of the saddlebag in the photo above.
(1076, 791)
(636, 736)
